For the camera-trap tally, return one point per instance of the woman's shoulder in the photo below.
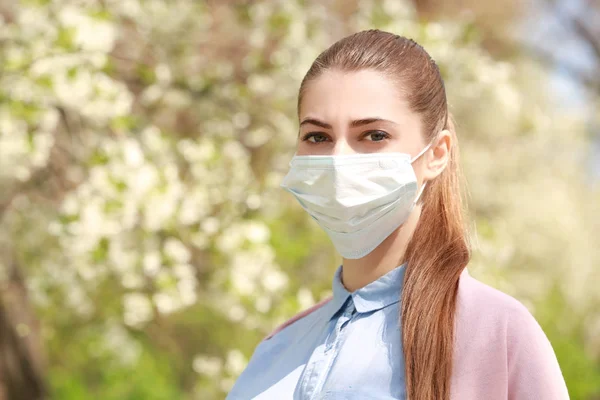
(272, 371)
(496, 323)
(297, 317)
(478, 299)
(498, 338)
(499, 315)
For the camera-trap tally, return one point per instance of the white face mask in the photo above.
(358, 199)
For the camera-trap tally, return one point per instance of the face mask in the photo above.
(358, 199)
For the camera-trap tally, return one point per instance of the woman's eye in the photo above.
(377, 136)
(315, 137)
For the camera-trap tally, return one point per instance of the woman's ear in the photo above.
(438, 156)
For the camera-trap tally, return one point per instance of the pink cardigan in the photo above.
(500, 351)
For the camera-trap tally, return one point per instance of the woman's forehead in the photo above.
(336, 95)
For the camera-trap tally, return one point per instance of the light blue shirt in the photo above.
(350, 348)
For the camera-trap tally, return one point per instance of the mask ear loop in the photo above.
(412, 161)
(415, 158)
(420, 192)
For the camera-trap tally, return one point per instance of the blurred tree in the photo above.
(562, 35)
(21, 373)
(578, 24)
(493, 20)
(500, 24)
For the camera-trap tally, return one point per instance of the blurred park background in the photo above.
(145, 247)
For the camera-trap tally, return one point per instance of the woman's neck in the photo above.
(387, 256)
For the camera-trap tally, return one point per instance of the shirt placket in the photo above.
(317, 369)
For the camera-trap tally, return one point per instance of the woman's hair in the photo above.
(438, 251)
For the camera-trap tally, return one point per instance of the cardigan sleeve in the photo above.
(533, 370)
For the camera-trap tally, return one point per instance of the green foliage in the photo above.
(568, 339)
(81, 377)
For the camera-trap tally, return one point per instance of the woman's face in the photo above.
(356, 112)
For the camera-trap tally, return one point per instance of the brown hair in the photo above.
(438, 250)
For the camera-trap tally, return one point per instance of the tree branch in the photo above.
(589, 82)
(586, 34)
(20, 365)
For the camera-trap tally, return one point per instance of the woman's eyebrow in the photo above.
(367, 121)
(353, 124)
(316, 122)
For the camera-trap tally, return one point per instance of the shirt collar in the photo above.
(376, 295)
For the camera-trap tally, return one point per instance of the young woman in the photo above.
(377, 167)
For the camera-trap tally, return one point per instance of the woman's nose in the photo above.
(342, 148)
